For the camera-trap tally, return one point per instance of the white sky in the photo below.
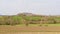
(44, 7)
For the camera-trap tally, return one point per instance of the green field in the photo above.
(39, 25)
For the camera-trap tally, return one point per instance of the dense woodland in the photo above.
(28, 18)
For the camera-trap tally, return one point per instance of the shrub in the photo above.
(46, 25)
(40, 25)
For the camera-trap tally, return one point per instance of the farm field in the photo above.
(31, 29)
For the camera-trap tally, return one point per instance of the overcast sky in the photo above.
(44, 7)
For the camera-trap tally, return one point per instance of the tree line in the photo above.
(15, 20)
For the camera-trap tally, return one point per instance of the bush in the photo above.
(27, 24)
(7, 23)
(40, 25)
(46, 25)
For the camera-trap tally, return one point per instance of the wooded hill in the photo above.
(28, 18)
